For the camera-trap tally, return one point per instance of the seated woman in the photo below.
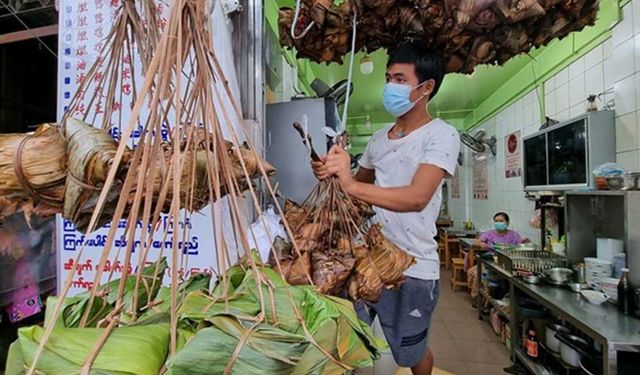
(500, 235)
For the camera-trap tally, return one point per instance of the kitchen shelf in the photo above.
(532, 366)
(556, 356)
(600, 192)
(494, 302)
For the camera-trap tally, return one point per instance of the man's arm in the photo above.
(364, 175)
(411, 198)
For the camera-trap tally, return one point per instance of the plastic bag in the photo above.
(263, 239)
(608, 169)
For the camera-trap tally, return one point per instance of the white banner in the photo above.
(83, 27)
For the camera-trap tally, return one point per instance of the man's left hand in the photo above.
(339, 164)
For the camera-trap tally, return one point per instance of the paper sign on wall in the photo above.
(480, 180)
(455, 184)
(512, 159)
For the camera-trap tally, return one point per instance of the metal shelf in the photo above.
(501, 311)
(533, 367)
(603, 192)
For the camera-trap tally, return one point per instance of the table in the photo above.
(469, 244)
(451, 236)
(604, 323)
(460, 232)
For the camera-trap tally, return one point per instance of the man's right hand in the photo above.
(319, 168)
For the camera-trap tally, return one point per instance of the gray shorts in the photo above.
(405, 317)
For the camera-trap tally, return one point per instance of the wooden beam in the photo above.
(37, 32)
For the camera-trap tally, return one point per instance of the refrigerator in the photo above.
(284, 147)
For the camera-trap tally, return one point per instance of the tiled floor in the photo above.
(461, 343)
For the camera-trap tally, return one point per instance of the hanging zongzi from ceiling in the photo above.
(469, 32)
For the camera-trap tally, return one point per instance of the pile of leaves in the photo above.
(469, 32)
(248, 323)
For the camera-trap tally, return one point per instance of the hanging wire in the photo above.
(343, 126)
(296, 14)
(14, 14)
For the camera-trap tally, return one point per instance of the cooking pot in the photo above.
(558, 275)
(572, 348)
(551, 341)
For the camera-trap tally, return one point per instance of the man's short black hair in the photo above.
(503, 214)
(428, 63)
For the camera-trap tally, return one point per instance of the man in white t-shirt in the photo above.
(401, 174)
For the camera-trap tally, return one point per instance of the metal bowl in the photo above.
(575, 287)
(532, 279)
(559, 275)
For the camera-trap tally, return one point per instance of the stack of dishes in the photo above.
(596, 269)
(607, 248)
(619, 262)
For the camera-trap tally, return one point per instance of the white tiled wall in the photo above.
(504, 194)
(615, 65)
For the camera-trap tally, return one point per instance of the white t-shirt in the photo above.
(395, 162)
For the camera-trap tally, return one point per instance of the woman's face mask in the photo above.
(501, 226)
(395, 98)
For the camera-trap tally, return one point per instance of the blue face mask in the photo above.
(395, 98)
(500, 226)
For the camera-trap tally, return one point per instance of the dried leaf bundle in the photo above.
(381, 267)
(32, 172)
(469, 32)
(339, 247)
(62, 169)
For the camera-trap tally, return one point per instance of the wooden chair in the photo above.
(458, 275)
(451, 244)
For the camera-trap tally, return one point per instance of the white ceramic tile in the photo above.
(593, 57)
(562, 116)
(623, 60)
(594, 80)
(576, 68)
(636, 17)
(624, 29)
(562, 98)
(576, 90)
(536, 110)
(531, 96)
(629, 160)
(626, 133)
(607, 47)
(609, 74)
(636, 48)
(577, 110)
(527, 118)
(550, 103)
(625, 96)
(637, 91)
(562, 77)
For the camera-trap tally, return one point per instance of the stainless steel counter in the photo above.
(615, 331)
(467, 242)
(460, 232)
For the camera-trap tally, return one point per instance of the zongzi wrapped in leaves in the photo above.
(383, 267)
